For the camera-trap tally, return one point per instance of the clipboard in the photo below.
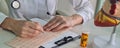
(47, 39)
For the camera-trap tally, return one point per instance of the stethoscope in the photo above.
(15, 4)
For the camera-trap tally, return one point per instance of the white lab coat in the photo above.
(38, 8)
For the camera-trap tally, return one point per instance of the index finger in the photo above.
(36, 26)
(50, 23)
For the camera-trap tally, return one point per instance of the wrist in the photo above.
(8, 23)
(77, 19)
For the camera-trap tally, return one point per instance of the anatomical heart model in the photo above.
(109, 15)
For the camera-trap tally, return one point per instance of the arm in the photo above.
(84, 9)
(83, 13)
(19, 27)
(3, 11)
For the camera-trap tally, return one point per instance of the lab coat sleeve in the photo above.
(2, 17)
(3, 10)
(84, 9)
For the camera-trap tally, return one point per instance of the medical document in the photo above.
(45, 39)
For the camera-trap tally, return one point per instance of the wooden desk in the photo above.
(89, 26)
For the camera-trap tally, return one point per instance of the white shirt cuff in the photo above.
(84, 17)
(2, 17)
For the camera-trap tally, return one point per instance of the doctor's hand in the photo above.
(61, 23)
(22, 28)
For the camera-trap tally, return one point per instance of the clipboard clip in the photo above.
(64, 40)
